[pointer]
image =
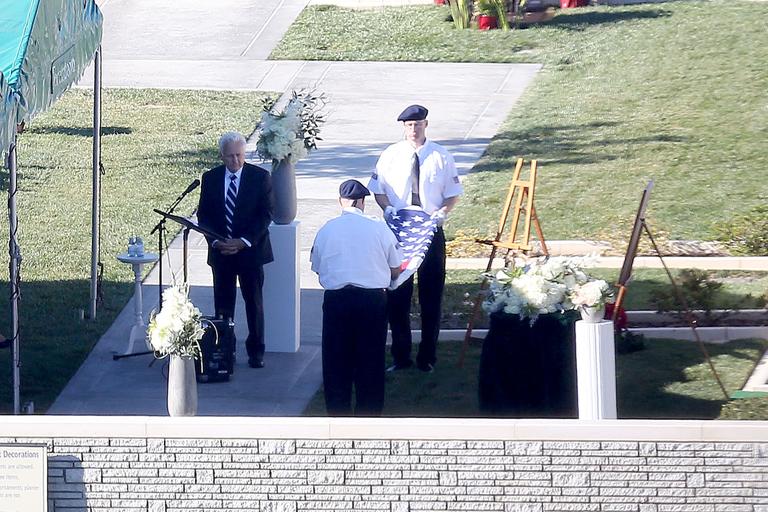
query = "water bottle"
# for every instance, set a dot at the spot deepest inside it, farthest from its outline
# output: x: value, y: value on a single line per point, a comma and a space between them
x: 132, y: 246
x: 139, y: 246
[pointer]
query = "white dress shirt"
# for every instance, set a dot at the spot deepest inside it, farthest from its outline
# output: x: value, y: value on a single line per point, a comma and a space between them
x: 354, y: 249
x: 227, y: 179
x: 438, y: 177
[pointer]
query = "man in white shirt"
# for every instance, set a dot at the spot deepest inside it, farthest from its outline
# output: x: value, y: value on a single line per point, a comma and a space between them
x: 356, y: 257
x: 419, y: 172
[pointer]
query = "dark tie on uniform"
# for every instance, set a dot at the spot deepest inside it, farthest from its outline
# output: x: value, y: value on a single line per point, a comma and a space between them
x: 229, y: 202
x: 415, y: 199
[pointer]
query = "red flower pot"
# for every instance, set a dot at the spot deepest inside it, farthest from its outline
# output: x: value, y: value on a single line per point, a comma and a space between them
x: 485, y: 22
x: 566, y: 4
x: 439, y: 2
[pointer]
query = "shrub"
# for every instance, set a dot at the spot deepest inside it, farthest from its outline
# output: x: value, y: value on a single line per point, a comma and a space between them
x: 746, y: 234
x: 700, y: 292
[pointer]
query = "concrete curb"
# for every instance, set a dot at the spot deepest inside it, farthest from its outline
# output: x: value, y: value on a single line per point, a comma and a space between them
x: 752, y: 263
x: 715, y: 335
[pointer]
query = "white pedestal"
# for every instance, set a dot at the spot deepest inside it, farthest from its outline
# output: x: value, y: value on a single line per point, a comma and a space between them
x: 282, y: 287
x: 596, y: 370
x: 139, y: 328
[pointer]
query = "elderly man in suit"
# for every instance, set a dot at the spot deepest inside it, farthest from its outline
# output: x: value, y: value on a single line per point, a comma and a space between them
x: 236, y: 202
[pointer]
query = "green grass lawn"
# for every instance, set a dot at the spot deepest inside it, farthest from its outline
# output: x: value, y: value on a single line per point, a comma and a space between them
x: 674, y: 92
x: 742, y: 290
x: 155, y: 143
x: 669, y: 379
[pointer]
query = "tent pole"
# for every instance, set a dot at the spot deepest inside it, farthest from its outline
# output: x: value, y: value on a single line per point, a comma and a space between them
x: 95, y: 236
x: 14, y: 263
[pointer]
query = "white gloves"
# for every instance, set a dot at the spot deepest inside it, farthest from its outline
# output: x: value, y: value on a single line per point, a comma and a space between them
x: 439, y: 216
x: 389, y: 211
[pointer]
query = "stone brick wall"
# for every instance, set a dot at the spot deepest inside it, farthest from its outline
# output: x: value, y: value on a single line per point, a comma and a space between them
x: 441, y: 465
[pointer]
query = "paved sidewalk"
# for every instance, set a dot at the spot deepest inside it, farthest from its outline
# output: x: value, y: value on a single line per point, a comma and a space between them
x: 364, y: 100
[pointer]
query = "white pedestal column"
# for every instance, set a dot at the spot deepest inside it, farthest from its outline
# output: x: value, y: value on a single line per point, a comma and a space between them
x: 596, y: 370
x: 282, y: 290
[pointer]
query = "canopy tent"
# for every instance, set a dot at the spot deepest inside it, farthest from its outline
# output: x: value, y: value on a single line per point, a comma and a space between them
x: 45, y: 46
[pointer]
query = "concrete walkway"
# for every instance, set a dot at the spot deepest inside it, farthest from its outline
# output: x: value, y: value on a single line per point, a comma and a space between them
x: 364, y: 100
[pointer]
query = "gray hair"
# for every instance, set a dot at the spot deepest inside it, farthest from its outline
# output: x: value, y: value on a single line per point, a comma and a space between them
x: 229, y: 138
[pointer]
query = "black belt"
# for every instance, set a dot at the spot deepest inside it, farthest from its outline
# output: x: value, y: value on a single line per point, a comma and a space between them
x: 352, y: 287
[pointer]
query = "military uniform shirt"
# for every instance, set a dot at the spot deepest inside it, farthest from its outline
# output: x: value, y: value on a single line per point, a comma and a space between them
x: 354, y: 249
x: 438, y: 177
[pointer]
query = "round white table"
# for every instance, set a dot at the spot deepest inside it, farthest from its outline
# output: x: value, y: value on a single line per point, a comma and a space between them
x: 139, y: 329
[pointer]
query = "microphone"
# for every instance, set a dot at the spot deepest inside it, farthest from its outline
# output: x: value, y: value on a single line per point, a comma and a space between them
x: 192, y: 186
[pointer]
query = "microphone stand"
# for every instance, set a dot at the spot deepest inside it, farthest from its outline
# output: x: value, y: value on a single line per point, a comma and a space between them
x: 160, y: 228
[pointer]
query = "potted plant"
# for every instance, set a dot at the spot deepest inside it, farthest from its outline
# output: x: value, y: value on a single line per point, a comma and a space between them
x: 567, y: 4
x: 491, y: 14
x: 486, y: 15
x: 460, y: 13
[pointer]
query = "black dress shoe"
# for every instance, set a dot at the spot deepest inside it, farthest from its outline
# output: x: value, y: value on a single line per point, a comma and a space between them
x: 426, y: 367
x: 256, y: 363
x: 400, y: 366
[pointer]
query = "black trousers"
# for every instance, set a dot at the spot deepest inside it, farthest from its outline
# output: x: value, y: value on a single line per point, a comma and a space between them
x: 354, y: 346
x: 431, y: 275
x: 251, y: 278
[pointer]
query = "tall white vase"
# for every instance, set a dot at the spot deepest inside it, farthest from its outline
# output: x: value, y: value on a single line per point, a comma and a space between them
x: 182, y: 386
x: 284, y: 191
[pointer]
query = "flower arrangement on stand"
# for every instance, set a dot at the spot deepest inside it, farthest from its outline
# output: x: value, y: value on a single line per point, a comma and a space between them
x: 532, y: 287
x: 528, y: 360
x: 285, y: 136
x: 175, y: 332
x: 590, y: 298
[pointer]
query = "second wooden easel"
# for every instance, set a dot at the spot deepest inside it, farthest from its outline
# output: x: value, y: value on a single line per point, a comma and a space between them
x: 521, y: 192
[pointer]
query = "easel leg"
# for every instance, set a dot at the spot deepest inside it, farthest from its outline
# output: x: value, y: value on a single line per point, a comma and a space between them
x: 688, y: 313
x: 475, y: 310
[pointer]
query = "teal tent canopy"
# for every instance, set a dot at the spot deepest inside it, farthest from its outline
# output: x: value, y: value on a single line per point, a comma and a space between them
x: 45, y: 46
x: 7, y: 116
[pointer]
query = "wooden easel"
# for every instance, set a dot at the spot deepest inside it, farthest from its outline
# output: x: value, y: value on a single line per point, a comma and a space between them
x: 639, y: 226
x: 521, y: 191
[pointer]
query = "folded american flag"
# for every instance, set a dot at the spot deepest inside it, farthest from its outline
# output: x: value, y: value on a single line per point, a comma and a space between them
x: 414, y: 229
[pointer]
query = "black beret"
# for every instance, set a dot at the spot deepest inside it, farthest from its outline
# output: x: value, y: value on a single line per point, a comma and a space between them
x: 413, y: 113
x: 353, y: 189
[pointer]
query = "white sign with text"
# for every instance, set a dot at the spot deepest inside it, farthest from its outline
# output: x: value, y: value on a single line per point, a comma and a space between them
x: 23, y: 478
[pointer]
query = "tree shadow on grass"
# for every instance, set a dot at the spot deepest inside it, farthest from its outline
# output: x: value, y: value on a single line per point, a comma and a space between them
x: 202, y: 159
x: 579, y: 21
x: 80, y: 131
x: 566, y: 144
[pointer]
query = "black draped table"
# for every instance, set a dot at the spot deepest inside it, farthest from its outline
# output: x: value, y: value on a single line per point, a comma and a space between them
x: 529, y: 371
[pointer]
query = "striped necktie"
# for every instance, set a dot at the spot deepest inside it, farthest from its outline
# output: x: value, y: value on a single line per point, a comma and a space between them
x: 229, y: 202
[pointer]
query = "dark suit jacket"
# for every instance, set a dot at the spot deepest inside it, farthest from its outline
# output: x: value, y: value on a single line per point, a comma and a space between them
x: 252, y: 216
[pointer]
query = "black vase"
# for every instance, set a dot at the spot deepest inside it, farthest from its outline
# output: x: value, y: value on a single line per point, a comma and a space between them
x: 529, y: 371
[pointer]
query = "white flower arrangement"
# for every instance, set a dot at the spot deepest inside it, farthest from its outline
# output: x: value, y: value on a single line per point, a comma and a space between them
x: 592, y: 294
x: 534, y: 287
x: 177, y: 329
x: 292, y: 132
